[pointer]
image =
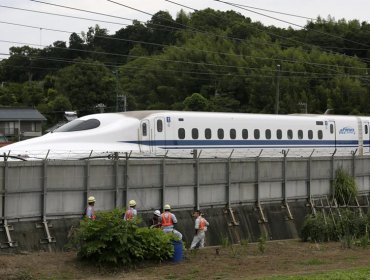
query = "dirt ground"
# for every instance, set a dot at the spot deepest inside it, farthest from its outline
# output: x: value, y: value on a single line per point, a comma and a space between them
x: 236, y: 262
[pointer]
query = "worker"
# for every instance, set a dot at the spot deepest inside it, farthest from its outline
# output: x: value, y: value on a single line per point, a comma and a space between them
x: 155, y: 221
x: 131, y: 213
x: 90, y: 211
x: 168, y: 220
x: 201, y: 225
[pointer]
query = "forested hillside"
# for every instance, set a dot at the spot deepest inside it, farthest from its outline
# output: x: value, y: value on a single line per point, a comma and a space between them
x: 207, y: 61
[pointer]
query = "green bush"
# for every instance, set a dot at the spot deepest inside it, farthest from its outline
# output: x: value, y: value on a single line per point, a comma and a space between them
x: 317, y: 229
x: 345, y: 187
x: 111, y: 240
x: 347, y: 224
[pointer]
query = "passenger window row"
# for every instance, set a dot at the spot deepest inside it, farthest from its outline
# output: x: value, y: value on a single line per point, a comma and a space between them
x: 256, y: 134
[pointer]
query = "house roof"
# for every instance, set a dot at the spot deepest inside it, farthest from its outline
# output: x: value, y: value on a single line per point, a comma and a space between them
x: 20, y: 114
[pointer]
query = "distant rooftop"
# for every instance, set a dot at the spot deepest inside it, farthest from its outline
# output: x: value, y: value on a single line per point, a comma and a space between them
x: 23, y: 114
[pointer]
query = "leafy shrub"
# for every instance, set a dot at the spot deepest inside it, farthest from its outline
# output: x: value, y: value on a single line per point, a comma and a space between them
x: 347, y: 225
x: 317, y: 229
x: 345, y: 187
x: 111, y: 240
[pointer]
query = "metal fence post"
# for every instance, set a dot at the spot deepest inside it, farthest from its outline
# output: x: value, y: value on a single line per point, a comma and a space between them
x: 196, y: 186
x: 163, y: 180
x: 228, y: 187
x: 283, y: 185
x: 87, y: 181
x: 116, y: 169
x: 332, y: 171
x: 125, y: 179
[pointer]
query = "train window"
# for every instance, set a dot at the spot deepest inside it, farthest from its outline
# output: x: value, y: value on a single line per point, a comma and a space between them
x: 194, y: 133
x: 290, y: 134
x: 256, y: 134
x: 331, y: 128
x: 319, y: 123
x: 159, y: 125
x: 143, y: 128
x: 310, y: 134
x: 319, y: 134
x: 366, y: 129
x: 208, y: 133
x: 78, y: 125
x: 268, y: 134
x: 279, y: 134
x: 220, y: 133
x: 245, y: 133
x: 232, y: 133
x: 300, y: 134
x: 181, y: 133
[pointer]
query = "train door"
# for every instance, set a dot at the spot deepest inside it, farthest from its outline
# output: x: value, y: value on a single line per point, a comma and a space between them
x: 159, y: 133
x: 145, y: 136
x: 332, y: 133
x: 366, y: 136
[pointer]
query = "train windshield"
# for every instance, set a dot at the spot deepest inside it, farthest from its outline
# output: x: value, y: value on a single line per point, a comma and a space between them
x: 78, y: 125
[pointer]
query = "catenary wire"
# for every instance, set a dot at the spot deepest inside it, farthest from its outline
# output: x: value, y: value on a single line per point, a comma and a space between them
x: 192, y: 49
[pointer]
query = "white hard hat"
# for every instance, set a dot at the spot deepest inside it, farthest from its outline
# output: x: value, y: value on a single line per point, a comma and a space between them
x: 167, y: 207
x: 91, y: 199
x: 157, y: 213
x: 132, y: 203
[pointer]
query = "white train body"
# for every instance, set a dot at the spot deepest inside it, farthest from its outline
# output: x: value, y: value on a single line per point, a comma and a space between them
x: 153, y: 132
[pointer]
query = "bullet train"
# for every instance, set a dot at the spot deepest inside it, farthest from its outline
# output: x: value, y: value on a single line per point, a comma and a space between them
x: 149, y: 132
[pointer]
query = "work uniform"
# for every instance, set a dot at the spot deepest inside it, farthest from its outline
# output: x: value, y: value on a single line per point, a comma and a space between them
x: 130, y: 214
x: 168, y: 220
x: 90, y: 212
x: 155, y: 222
x: 200, y: 229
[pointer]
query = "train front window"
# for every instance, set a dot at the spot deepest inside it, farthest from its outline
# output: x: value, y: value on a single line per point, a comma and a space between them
x: 78, y: 125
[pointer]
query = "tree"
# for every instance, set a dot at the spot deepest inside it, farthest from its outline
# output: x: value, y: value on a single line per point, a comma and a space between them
x: 196, y: 102
x: 86, y: 84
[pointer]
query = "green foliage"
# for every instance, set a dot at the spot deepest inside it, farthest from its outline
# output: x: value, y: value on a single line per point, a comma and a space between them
x: 225, y: 242
x: 345, y: 226
x: 162, y: 68
x: 262, y: 243
x: 196, y: 102
x: 345, y: 187
x: 111, y: 240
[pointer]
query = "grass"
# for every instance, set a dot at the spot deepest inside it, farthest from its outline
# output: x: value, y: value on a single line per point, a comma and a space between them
x: 355, y: 274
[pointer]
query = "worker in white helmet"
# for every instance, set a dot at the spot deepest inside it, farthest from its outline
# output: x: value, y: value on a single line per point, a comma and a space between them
x: 90, y: 211
x: 201, y: 225
x: 168, y: 220
x: 130, y: 213
x: 155, y: 220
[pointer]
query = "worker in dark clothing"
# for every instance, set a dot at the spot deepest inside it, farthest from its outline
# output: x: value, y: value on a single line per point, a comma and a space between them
x: 155, y: 221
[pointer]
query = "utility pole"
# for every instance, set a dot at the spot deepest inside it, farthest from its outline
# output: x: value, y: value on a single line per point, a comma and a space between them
x: 277, y: 88
x: 115, y: 72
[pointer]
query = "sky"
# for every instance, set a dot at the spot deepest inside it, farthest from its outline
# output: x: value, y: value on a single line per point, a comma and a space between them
x: 39, y: 36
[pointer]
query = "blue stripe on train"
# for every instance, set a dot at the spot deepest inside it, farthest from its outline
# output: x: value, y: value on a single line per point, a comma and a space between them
x: 183, y: 144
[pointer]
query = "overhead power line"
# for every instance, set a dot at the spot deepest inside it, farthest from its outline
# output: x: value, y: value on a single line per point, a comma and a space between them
x: 191, y: 49
x: 282, y: 37
x: 66, y: 16
x: 291, y: 23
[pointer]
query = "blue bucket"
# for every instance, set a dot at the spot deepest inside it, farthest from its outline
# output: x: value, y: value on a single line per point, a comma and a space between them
x: 177, y: 254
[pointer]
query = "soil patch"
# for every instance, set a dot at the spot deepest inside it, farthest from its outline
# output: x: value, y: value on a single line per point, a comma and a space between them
x: 234, y: 262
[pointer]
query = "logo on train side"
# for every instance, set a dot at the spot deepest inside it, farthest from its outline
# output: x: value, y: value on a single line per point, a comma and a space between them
x: 347, y: 130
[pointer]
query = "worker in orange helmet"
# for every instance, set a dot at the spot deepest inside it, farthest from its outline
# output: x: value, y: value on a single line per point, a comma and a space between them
x: 90, y: 211
x: 200, y: 228
x: 168, y: 220
x: 131, y: 213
